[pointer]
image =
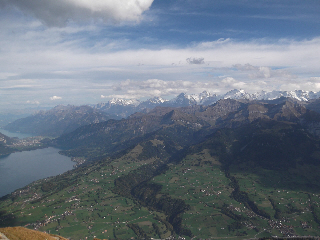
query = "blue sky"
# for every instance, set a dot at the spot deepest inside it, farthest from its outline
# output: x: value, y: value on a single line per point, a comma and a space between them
x: 90, y: 51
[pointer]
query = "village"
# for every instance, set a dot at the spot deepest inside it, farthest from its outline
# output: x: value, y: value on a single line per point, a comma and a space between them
x: 27, y: 142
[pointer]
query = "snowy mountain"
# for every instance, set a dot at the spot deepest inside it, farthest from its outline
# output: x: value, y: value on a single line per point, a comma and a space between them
x: 152, y: 103
x: 124, y: 107
x: 236, y: 94
x: 299, y: 95
x: 182, y: 100
x: 119, y: 107
x: 118, y: 102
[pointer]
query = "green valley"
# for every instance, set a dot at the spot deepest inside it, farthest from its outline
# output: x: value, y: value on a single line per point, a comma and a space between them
x: 243, y: 174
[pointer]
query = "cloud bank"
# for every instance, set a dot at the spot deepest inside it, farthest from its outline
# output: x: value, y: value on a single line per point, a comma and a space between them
x: 58, y: 12
x: 55, y: 98
x: 255, y: 72
x: 33, y: 102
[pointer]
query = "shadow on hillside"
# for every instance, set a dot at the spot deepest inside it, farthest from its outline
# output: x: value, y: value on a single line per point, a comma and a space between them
x: 7, y: 219
x: 295, y: 179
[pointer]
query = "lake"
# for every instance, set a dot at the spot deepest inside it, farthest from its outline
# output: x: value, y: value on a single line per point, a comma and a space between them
x: 21, y: 168
x: 15, y: 134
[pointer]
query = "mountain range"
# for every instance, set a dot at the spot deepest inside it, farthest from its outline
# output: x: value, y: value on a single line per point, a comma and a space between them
x: 124, y: 108
x: 185, y: 125
x: 65, y: 119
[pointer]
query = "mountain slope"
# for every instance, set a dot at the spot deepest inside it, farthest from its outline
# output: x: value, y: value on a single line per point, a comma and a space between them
x: 57, y: 121
x: 4, y: 142
x: 115, y: 135
x: 184, y: 126
x: 249, y: 181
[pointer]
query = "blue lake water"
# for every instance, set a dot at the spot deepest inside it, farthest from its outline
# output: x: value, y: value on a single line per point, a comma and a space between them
x: 21, y: 168
x: 15, y: 134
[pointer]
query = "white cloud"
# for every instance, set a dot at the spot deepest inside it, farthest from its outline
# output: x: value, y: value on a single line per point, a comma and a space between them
x: 311, y: 84
x: 229, y: 80
x: 245, y: 67
x: 157, y: 87
x: 58, y: 12
x: 33, y: 102
x: 255, y: 72
x: 55, y: 98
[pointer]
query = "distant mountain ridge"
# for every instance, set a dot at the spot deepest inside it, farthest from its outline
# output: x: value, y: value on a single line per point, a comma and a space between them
x: 64, y: 119
x: 126, y: 107
x: 186, y: 125
x: 57, y: 121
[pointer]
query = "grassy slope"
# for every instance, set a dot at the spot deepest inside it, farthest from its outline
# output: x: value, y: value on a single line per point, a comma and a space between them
x: 20, y: 233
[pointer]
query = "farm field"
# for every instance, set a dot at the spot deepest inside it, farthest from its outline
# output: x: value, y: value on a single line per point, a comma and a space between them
x: 201, y: 183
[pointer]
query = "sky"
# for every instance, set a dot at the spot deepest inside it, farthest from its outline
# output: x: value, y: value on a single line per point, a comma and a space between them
x: 89, y: 51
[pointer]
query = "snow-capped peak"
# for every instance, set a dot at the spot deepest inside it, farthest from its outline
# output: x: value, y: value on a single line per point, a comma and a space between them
x: 204, y: 95
x: 300, y: 95
x: 124, y: 102
x: 125, y: 107
x: 183, y: 100
x: 157, y: 100
x: 237, y: 94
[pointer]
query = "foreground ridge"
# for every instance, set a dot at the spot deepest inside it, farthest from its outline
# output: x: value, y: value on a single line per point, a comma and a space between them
x: 20, y: 233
